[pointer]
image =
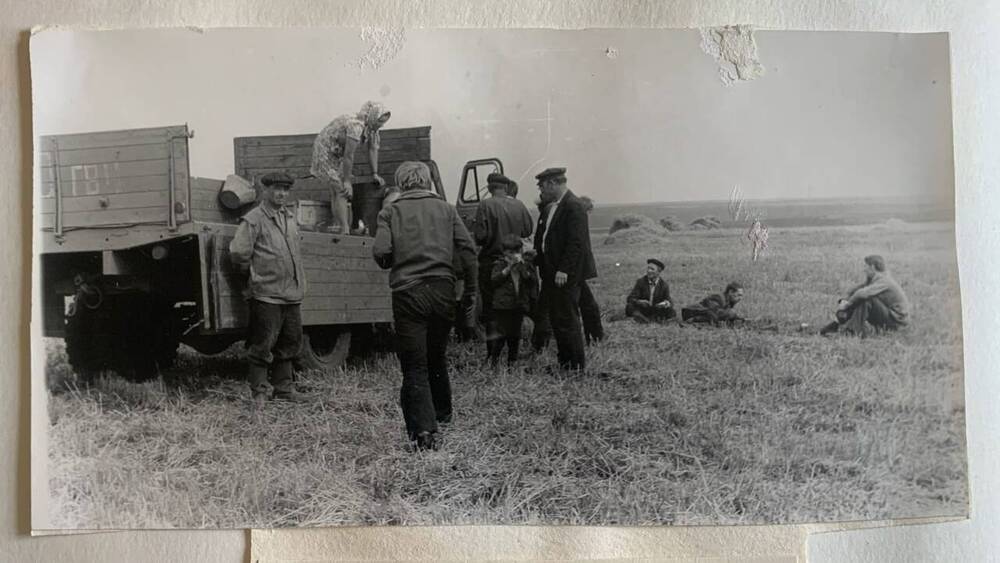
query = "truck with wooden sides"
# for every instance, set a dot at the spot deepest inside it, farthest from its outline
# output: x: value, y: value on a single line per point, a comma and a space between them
x: 134, y: 251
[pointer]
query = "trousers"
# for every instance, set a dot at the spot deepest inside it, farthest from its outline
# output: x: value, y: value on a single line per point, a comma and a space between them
x: 423, y: 317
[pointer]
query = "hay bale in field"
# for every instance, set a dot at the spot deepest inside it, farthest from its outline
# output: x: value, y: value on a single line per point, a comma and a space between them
x: 671, y: 223
x: 635, y: 229
x: 628, y: 222
x: 891, y: 224
x: 707, y: 222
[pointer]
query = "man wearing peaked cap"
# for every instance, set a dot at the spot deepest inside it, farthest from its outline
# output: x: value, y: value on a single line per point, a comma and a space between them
x: 496, y: 217
x: 266, y: 246
x: 277, y: 179
x: 497, y: 178
x: 650, y: 296
x: 562, y: 246
x: 551, y: 173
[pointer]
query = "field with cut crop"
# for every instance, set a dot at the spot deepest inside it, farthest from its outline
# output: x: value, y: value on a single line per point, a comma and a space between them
x: 675, y: 425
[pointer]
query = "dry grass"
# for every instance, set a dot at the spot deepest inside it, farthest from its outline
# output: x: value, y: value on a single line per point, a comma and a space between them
x: 686, y: 426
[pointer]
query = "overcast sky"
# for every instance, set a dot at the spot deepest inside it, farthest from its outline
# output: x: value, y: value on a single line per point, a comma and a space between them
x: 834, y: 115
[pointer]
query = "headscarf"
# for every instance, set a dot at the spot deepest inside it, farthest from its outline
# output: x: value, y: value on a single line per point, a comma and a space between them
x: 370, y: 114
x: 413, y: 175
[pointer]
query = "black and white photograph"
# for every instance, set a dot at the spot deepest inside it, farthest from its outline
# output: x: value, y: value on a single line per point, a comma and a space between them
x: 632, y: 277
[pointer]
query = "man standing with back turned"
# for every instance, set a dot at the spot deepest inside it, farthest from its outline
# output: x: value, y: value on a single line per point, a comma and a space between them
x: 562, y: 244
x: 497, y: 217
x: 418, y: 237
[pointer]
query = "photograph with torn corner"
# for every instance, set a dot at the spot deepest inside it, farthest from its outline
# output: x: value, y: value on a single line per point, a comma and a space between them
x: 645, y: 277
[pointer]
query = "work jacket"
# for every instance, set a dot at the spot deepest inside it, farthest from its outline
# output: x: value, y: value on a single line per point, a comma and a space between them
x: 269, y: 248
x: 883, y: 286
x: 418, y: 237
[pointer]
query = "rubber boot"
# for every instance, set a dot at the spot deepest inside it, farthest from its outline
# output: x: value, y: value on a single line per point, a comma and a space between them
x: 281, y: 379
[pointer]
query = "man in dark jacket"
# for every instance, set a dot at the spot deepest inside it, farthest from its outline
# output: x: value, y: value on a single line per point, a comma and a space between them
x: 715, y: 309
x: 266, y: 245
x: 562, y: 246
x: 649, y: 299
x: 496, y: 217
x: 418, y: 237
x: 879, y: 303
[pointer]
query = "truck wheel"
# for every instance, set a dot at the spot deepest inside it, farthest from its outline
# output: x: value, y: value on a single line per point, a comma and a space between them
x: 324, y: 348
x: 211, y: 345
x: 87, y: 343
x: 145, y: 335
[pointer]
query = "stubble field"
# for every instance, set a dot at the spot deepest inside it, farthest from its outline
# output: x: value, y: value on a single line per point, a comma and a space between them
x: 676, y: 425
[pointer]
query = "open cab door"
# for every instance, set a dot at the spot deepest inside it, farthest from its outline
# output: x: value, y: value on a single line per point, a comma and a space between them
x: 473, y: 188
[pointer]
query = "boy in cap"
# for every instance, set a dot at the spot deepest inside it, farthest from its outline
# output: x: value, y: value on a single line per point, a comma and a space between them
x: 562, y: 246
x: 649, y: 299
x: 515, y: 287
x: 418, y: 238
x: 266, y: 245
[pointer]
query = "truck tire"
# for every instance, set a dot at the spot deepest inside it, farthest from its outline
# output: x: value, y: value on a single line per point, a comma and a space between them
x: 145, y: 336
x: 132, y: 335
x: 87, y: 346
x: 324, y: 348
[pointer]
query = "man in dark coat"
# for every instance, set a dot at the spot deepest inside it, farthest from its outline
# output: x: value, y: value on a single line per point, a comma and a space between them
x: 649, y: 299
x: 562, y: 246
x: 715, y: 309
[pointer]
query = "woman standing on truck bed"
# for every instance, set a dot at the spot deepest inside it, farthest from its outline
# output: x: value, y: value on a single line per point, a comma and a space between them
x: 333, y: 154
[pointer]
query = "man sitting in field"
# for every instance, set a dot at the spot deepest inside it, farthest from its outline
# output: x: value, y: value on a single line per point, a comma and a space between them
x: 715, y: 309
x: 878, y: 304
x: 650, y: 297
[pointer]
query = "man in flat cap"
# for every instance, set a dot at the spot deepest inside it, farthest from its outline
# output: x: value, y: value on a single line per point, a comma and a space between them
x: 422, y: 239
x: 333, y: 154
x: 496, y: 217
x: 266, y: 245
x: 649, y: 300
x: 562, y: 246
x: 878, y: 304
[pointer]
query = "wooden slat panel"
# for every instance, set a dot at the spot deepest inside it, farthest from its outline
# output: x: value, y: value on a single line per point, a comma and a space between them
x: 346, y: 317
x: 109, y: 217
x: 131, y: 153
x: 149, y: 135
x: 157, y: 167
x: 323, y: 249
x: 211, y: 216
x: 344, y: 303
x: 334, y: 263
x: 409, y: 145
x: 308, y: 138
x: 87, y: 187
x: 234, y: 286
x: 304, y: 159
x: 334, y: 289
x: 115, y: 202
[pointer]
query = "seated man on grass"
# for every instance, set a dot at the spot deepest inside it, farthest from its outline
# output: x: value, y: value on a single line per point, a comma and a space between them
x: 649, y: 300
x: 715, y: 309
x: 878, y: 304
